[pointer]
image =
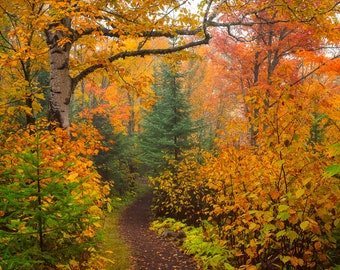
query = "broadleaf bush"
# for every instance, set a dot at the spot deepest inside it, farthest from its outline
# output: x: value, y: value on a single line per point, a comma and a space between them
x: 51, y: 198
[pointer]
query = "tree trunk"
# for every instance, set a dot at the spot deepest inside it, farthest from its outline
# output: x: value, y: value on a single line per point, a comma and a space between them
x: 30, y: 118
x: 253, y: 127
x: 132, y: 120
x: 60, y: 80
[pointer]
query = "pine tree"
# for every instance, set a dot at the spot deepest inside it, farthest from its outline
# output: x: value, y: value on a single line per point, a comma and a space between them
x: 116, y: 163
x: 168, y: 127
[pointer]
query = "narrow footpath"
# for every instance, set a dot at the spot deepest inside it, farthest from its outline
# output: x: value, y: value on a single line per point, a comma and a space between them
x: 150, y: 251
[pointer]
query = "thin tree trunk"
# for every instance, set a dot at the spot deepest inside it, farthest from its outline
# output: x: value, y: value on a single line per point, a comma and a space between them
x: 254, y: 129
x: 30, y: 118
x: 132, y: 120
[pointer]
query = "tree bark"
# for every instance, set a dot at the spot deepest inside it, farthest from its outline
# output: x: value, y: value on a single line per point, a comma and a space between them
x: 60, y: 80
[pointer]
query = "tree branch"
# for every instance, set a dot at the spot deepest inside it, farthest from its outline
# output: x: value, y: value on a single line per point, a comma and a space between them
x: 142, y: 53
x: 313, y: 71
x: 155, y: 34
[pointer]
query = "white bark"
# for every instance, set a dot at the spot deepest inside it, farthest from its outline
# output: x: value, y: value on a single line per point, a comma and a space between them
x: 60, y: 80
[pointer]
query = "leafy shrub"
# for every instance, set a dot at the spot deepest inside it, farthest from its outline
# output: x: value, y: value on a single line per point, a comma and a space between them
x: 51, y: 198
x: 179, y: 193
x: 208, y: 250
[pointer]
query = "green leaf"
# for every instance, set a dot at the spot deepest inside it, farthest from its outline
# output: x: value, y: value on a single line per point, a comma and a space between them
x: 319, y: 118
x: 281, y: 233
x: 332, y: 170
x: 295, y: 137
x: 292, y: 235
x: 280, y: 162
x: 268, y: 228
x: 283, y: 216
x: 335, y: 148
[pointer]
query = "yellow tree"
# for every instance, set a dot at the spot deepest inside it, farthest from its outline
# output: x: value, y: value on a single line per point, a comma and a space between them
x: 73, y: 23
x: 22, y: 56
x: 119, y: 92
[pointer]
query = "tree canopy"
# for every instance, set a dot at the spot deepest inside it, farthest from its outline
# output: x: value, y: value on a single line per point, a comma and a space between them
x: 43, y: 34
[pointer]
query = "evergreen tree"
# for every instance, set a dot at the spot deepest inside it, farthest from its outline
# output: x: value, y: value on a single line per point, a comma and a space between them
x: 116, y: 164
x: 168, y: 126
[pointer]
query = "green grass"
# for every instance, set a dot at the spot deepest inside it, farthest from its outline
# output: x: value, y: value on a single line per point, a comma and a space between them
x: 112, y: 245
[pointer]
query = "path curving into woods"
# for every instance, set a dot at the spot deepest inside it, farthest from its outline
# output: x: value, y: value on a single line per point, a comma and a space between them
x: 150, y: 251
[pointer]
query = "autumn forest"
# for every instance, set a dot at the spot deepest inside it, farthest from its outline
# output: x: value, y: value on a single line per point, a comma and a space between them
x: 230, y: 109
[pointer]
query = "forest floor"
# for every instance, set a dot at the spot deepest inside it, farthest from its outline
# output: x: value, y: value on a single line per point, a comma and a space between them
x: 149, y: 251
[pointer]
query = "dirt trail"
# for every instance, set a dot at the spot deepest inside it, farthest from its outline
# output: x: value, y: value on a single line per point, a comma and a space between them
x: 149, y: 251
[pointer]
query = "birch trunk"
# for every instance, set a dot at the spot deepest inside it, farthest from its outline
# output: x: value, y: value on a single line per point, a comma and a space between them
x: 60, y: 80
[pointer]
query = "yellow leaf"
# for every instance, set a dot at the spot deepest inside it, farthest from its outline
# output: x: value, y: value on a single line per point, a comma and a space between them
x: 250, y: 252
x: 109, y: 207
x: 97, y: 224
x: 73, y: 263
x: 304, y: 225
x: 91, y: 249
x: 72, y: 176
x: 285, y: 259
x: 299, y: 193
x: 252, y: 226
x: 252, y: 243
x: 88, y: 233
x: 39, y: 96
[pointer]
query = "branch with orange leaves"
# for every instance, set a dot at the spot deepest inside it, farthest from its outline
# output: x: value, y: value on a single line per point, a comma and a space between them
x: 314, y: 70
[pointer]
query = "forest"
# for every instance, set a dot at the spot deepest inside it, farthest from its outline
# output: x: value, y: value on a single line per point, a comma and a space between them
x: 229, y: 108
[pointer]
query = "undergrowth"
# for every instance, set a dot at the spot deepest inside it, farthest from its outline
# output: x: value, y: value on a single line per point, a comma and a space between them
x: 207, y: 249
